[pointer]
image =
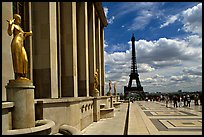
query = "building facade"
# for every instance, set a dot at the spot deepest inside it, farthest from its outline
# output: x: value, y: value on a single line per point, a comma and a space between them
x: 65, y: 50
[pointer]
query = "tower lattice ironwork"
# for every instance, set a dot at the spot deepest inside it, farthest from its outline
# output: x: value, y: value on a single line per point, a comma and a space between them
x: 134, y: 75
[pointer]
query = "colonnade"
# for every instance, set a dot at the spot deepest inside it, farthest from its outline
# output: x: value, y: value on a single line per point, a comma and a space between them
x: 66, y: 49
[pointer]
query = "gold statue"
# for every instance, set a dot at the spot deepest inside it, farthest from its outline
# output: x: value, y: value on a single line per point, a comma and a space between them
x: 115, y: 88
x: 110, y: 87
x: 19, y: 56
x: 96, y: 80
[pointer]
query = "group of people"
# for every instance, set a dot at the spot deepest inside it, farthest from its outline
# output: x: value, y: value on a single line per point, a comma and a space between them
x: 177, y: 101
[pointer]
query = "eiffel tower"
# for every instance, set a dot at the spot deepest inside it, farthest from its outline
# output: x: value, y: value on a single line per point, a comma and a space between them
x: 134, y: 75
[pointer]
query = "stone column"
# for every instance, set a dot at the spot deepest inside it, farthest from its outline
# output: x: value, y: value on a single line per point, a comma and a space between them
x: 68, y: 49
x: 96, y: 109
x: 111, y: 101
x: 53, y: 49
x: 7, y: 66
x: 21, y: 92
x: 45, y: 49
x: 91, y: 45
x: 82, y: 49
x: 59, y: 62
x: 102, y: 63
x: 98, y: 52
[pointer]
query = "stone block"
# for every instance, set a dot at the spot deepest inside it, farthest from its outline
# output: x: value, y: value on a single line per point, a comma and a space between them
x: 106, y: 113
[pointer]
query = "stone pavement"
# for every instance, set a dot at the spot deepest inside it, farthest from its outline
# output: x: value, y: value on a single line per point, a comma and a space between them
x: 154, y: 118
x: 138, y: 123
x: 109, y: 126
x: 150, y: 118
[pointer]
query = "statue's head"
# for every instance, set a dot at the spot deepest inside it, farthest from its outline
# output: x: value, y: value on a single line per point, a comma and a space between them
x: 17, y: 18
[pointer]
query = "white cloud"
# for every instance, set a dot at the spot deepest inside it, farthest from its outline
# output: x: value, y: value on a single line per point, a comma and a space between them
x: 148, y: 80
x: 166, y: 63
x: 194, y: 41
x: 140, y: 22
x: 164, y: 50
x: 128, y: 7
x: 163, y: 64
x: 144, y: 68
x: 142, y: 13
x: 106, y: 11
x: 110, y: 21
x: 183, y: 78
x: 162, y: 57
x: 170, y: 20
x: 157, y: 76
x: 192, y: 19
x: 105, y: 44
x: 193, y: 71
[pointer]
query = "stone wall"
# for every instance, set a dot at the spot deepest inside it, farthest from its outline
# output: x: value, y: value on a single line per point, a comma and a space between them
x: 76, y: 112
x: 7, y: 116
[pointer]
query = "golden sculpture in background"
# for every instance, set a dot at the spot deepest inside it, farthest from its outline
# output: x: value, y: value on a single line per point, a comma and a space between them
x: 115, y: 88
x: 96, y: 80
x: 110, y: 87
x: 19, y: 56
x: 96, y: 83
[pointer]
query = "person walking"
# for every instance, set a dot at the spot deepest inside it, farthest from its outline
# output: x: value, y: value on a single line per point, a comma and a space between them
x: 184, y: 101
x: 175, y: 101
x: 167, y: 101
x: 188, y: 100
x: 180, y: 101
x: 196, y: 99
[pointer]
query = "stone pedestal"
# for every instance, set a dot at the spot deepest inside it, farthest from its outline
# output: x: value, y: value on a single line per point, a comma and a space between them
x: 109, y: 94
x: 96, y: 109
x: 21, y: 92
x: 95, y: 93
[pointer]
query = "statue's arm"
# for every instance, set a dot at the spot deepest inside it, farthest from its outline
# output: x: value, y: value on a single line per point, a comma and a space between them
x: 26, y: 34
x: 10, y: 27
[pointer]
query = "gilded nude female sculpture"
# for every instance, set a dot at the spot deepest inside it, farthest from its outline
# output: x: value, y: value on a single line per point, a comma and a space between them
x: 115, y: 88
x: 96, y: 80
x: 19, y: 56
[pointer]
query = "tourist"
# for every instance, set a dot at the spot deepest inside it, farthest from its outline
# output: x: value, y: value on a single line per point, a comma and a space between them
x: 184, y: 101
x: 167, y: 101
x: 196, y: 99
x: 180, y: 101
x: 175, y: 101
x: 188, y: 100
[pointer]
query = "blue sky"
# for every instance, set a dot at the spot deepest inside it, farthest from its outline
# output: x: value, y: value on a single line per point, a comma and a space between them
x: 168, y: 44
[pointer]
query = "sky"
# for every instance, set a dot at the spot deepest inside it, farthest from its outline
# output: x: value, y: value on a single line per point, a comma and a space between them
x: 168, y: 42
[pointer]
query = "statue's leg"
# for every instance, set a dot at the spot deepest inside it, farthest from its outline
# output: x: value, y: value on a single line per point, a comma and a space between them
x: 23, y: 75
x: 17, y: 75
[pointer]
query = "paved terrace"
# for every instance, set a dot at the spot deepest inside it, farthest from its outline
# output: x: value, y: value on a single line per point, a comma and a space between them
x: 109, y: 126
x: 150, y: 118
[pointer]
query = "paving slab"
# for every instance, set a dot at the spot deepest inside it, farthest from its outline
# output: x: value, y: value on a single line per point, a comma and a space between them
x: 109, y: 126
x: 150, y: 118
x: 170, y: 120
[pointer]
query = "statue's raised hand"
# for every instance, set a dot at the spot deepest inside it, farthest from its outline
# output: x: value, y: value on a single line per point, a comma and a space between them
x: 10, y: 21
